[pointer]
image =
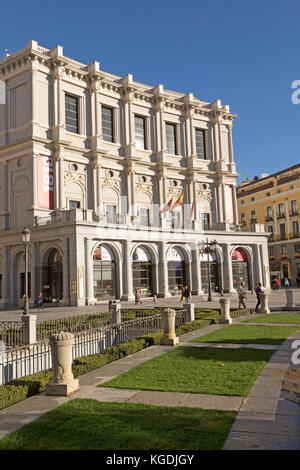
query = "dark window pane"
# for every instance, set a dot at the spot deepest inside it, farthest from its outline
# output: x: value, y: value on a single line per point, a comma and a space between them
x: 107, y: 124
x: 139, y: 132
x: 200, y: 144
x: 71, y: 110
x: 171, y: 139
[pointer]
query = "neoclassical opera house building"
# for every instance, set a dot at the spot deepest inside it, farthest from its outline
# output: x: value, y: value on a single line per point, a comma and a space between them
x: 120, y: 183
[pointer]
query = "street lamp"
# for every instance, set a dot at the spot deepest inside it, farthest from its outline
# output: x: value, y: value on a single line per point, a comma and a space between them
x: 209, y: 248
x: 26, y: 239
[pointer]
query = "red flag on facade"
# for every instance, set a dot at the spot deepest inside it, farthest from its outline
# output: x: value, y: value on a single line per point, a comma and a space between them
x: 168, y: 207
x: 192, y: 210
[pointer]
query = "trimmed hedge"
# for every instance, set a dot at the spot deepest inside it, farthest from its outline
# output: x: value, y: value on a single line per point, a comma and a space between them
x: 20, y: 389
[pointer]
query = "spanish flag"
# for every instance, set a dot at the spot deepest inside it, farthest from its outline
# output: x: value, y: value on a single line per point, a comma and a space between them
x: 167, y: 207
x: 179, y: 201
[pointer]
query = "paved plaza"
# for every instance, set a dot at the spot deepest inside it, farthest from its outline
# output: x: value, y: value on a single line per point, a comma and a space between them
x: 266, y: 419
x: 277, y: 300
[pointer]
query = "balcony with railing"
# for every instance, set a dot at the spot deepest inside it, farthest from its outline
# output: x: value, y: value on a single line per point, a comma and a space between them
x: 294, y: 212
x: 281, y: 215
x: 89, y: 217
x: 269, y: 218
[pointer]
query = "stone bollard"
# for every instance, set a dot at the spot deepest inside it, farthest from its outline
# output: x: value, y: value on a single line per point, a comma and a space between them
x: 264, y: 300
x: 155, y: 298
x: 116, y: 313
x: 225, y: 311
x: 189, y: 312
x: 63, y: 382
x: 289, y: 299
x: 29, y: 325
x: 168, y: 325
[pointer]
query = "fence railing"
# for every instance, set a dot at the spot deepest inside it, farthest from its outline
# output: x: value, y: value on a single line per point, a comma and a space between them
x: 11, y: 334
x: 72, y: 324
x: 242, y: 312
x: 27, y: 360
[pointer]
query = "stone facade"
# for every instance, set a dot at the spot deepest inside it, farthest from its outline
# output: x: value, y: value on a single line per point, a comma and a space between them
x: 88, y: 160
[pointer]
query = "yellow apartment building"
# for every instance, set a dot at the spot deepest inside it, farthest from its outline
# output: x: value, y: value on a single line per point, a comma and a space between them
x: 274, y: 200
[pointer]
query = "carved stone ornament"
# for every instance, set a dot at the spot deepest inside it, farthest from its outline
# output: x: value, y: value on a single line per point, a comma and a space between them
x: 204, y: 194
x: 112, y: 184
x: 75, y: 177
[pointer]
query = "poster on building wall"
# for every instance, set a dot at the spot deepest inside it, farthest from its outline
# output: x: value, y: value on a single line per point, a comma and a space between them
x: 81, y: 282
x: 45, y: 175
x: 103, y: 254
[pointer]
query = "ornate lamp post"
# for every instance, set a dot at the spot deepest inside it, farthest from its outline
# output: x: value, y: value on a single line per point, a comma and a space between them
x: 26, y: 239
x: 209, y: 248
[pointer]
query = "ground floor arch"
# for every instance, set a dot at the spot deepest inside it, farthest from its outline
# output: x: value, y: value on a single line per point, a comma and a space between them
x: 104, y: 273
x: 240, y: 268
x: 142, y: 271
x: 214, y: 272
x: 51, y: 274
x: 176, y: 270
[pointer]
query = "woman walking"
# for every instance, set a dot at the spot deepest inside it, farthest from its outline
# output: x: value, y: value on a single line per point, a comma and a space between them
x: 258, y: 291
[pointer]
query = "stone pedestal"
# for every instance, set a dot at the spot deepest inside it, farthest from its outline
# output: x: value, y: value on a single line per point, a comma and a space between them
x: 289, y: 299
x: 264, y: 300
x: 225, y: 311
x: 189, y: 312
x: 29, y: 325
x: 168, y: 325
x: 116, y: 313
x: 63, y: 382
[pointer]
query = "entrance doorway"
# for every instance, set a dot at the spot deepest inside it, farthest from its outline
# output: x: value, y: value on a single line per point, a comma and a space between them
x: 142, y: 271
x: 176, y: 271
x: 104, y: 269
x: 240, y: 268
x: 52, y: 277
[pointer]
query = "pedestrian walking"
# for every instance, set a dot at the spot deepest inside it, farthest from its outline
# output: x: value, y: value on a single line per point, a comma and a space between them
x: 137, y: 296
x: 187, y: 294
x: 182, y: 294
x: 286, y: 282
x: 276, y: 283
x: 242, y: 295
x: 40, y: 301
x: 258, y: 291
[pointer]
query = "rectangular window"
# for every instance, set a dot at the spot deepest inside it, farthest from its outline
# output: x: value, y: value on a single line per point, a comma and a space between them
x: 140, y: 141
x: 269, y: 213
x: 294, y: 208
x: 271, y: 250
x: 243, y: 218
x: 205, y: 220
x: 71, y: 109
x: 282, y: 231
x: 175, y: 219
x: 200, y: 143
x: 171, y: 139
x: 107, y: 124
x: 144, y: 217
x: 253, y: 217
x: 111, y: 214
x: 74, y: 205
x: 297, y: 248
x: 268, y: 194
x: 295, y: 229
x: 280, y: 210
x: 283, y: 249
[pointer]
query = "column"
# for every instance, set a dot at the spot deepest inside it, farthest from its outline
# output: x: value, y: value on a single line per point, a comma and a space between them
x: 128, y: 287
x: 133, y: 203
x: 6, y: 267
x: 62, y: 202
x: 234, y: 202
x: 224, y: 203
x: 196, y: 272
x: 227, y: 266
x: 66, y: 273
x: 90, y: 299
x: 220, y: 203
x: 163, y: 271
x: 34, y: 181
x: 257, y: 264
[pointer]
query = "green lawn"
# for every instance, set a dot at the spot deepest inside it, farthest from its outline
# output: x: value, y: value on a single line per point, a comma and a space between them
x: 246, y: 334
x: 197, y: 370
x: 83, y: 424
x: 284, y: 318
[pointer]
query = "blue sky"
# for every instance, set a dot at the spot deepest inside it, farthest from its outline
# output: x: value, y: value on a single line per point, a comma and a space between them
x: 245, y: 53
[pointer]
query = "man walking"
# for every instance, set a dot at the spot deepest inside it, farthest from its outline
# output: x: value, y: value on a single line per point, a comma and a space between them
x: 242, y: 295
x: 258, y: 291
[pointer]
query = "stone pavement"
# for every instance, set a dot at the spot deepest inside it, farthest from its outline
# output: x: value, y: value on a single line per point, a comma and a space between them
x: 265, y: 420
x: 277, y: 300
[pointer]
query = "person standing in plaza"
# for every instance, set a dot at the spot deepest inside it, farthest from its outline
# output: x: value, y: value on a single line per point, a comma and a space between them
x: 187, y: 294
x: 242, y: 295
x: 182, y: 294
x: 137, y: 296
x: 286, y: 282
x: 258, y: 291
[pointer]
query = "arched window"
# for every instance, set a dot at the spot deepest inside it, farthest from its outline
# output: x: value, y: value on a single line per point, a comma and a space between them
x: 176, y: 270
x: 104, y: 269
x: 240, y: 268
x: 142, y: 271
